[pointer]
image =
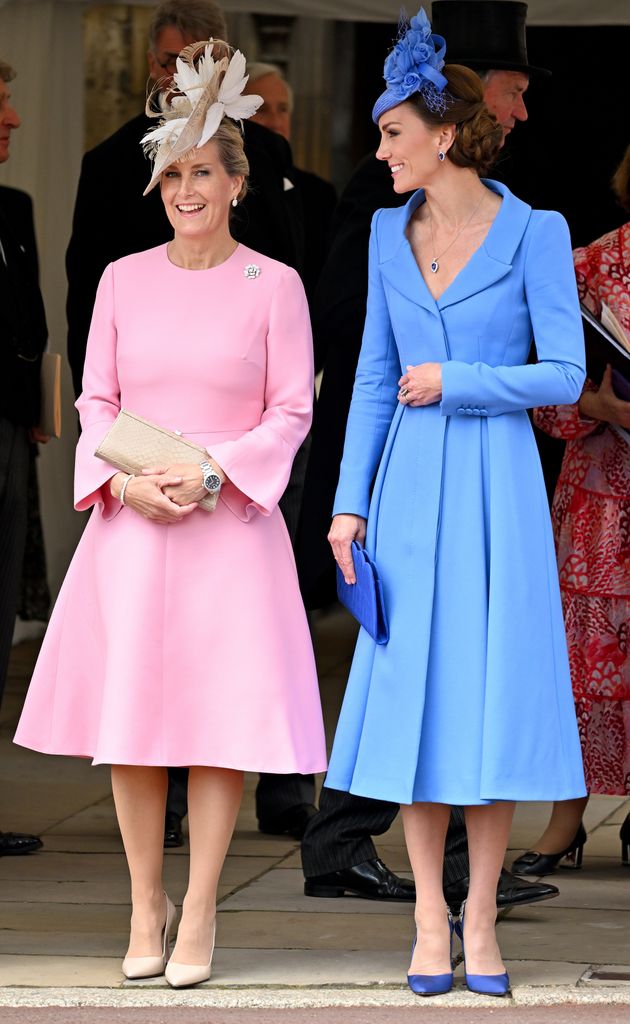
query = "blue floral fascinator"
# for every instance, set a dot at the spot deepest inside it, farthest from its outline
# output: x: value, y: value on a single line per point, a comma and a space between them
x: 414, y: 65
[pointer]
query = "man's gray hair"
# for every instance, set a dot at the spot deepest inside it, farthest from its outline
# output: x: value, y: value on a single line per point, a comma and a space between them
x: 201, y: 19
x: 259, y: 69
x: 7, y: 74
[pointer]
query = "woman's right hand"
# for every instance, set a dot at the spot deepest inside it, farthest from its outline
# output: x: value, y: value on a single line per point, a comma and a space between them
x: 144, y: 495
x: 344, y: 529
x: 604, y: 405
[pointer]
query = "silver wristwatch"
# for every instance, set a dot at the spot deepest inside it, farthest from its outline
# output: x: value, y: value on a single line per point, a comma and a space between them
x: 211, y: 479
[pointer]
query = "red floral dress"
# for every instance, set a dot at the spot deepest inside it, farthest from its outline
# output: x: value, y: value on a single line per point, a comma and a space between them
x: 591, y: 518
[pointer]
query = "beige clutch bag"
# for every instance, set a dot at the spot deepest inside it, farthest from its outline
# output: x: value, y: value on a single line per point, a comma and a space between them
x: 50, y: 422
x: 132, y: 444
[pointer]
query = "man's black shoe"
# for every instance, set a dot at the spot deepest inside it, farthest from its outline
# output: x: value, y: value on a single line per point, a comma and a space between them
x: 372, y: 880
x: 172, y: 831
x: 13, y: 844
x: 511, y: 892
x: 291, y: 822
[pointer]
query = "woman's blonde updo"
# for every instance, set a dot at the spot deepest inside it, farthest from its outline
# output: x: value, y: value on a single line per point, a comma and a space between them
x: 229, y: 141
x: 478, y: 136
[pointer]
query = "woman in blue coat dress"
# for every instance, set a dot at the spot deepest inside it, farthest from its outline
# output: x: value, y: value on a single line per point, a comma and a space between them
x: 469, y: 703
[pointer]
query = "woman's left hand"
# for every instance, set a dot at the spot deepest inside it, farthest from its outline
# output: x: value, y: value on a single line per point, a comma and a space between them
x: 421, y: 385
x: 191, y: 488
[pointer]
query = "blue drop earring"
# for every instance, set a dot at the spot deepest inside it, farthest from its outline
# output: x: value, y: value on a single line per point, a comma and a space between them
x: 441, y: 155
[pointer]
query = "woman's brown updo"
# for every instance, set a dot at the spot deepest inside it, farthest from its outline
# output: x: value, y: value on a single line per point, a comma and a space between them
x: 479, y: 136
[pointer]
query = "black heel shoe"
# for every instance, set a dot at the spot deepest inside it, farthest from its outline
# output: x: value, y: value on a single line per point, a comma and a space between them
x: 534, y: 863
x: 624, y: 835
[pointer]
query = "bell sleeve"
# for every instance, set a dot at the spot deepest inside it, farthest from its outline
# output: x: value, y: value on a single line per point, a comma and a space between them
x: 551, y: 294
x: 374, y: 396
x: 98, y: 405
x: 258, y: 464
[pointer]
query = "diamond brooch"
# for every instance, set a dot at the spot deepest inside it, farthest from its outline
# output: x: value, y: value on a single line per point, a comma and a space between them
x: 251, y: 271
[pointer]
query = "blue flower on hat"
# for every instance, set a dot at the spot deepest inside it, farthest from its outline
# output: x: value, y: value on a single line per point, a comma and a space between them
x: 421, y: 52
x: 411, y: 82
x: 413, y: 65
x: 420, y: 23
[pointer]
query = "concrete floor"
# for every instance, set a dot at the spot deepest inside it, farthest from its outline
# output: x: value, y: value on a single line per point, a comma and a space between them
x: 64, y: 911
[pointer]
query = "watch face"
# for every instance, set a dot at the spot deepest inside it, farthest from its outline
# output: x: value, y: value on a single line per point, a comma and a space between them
x: 212, y: 482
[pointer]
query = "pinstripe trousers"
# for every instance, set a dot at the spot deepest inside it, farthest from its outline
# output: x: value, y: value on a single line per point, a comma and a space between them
x: 340, y: 835
x: 14, y: 454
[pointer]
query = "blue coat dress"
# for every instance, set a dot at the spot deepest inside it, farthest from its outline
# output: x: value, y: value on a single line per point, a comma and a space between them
x: 470, y: 701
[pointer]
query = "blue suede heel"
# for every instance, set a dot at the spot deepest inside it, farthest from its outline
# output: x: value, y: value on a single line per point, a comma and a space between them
x: 432, y: 984
x: 482, y: 984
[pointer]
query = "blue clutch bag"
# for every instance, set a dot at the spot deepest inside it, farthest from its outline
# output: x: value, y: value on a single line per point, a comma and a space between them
x: 364, y: 599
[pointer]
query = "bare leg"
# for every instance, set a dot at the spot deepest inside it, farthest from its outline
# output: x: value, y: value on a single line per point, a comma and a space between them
x: 214, y: 797
x: 140, y: 799
x: 563, y: 824
x: 425, y: 828
x: 488, y: 830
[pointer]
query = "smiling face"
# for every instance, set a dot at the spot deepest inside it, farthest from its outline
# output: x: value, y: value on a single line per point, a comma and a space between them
x: 411, y: 147
x: 8, y: 120
x: 197, y: 193
x: 504, y: 93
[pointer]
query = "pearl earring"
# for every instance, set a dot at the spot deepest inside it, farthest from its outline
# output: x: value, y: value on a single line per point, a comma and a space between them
x: 441, y: 155
x: 235, y: 201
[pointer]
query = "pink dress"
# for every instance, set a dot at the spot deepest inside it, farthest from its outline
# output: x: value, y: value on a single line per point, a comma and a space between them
x: 188, y: 644
x: 591, y: 518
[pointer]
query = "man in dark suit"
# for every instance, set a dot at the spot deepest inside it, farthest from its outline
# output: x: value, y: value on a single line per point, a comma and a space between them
x: 338, y: 854
x: 318, y: 196
x: 23, y: 336
x: 113, y: 219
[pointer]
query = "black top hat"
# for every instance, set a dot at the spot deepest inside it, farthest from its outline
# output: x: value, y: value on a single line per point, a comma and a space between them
x: 484, y: 34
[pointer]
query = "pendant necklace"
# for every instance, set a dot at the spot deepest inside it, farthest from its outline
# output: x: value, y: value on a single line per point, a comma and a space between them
x: 435, y: 262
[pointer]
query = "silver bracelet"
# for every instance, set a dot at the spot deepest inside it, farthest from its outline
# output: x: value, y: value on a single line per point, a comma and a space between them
x: 121, y: 496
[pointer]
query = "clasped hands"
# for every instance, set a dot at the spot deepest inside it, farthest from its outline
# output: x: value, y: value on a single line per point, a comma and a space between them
x: 164, y: 494
x: 421, y: 385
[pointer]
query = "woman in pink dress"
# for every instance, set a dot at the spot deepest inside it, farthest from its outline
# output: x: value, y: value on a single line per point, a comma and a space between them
x: 179, y: 636
x: 591, y: 515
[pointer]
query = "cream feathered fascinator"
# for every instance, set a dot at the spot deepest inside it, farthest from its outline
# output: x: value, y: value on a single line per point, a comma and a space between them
x: 202, y: 93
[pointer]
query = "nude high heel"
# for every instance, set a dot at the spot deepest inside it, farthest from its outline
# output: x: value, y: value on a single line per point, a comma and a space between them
x: 185, y: 975
x: 134, y: 967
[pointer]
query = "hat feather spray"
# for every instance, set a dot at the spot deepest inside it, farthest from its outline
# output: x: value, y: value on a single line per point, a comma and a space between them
x: 202, y: 93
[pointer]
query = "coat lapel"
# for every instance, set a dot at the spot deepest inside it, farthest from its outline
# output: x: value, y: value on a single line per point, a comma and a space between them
x: 491, y: 262
x: 396, y: 259
x: 493, y: 259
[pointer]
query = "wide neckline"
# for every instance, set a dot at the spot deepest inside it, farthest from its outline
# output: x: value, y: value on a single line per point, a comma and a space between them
x: 481, y: 247
x: 201, y: 270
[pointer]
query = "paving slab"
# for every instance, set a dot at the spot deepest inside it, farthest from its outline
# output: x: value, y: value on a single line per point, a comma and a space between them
x: 283, y: 889
x: 308, y: 930
x: 294, y: 968
x: 540, y: 931
x: 601, y: 885
x: 103, y: 878
x: 619, y: 816
x: 60, y: 971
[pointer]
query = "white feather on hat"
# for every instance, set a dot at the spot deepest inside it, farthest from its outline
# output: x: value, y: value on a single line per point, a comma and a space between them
x: 203, y: 92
